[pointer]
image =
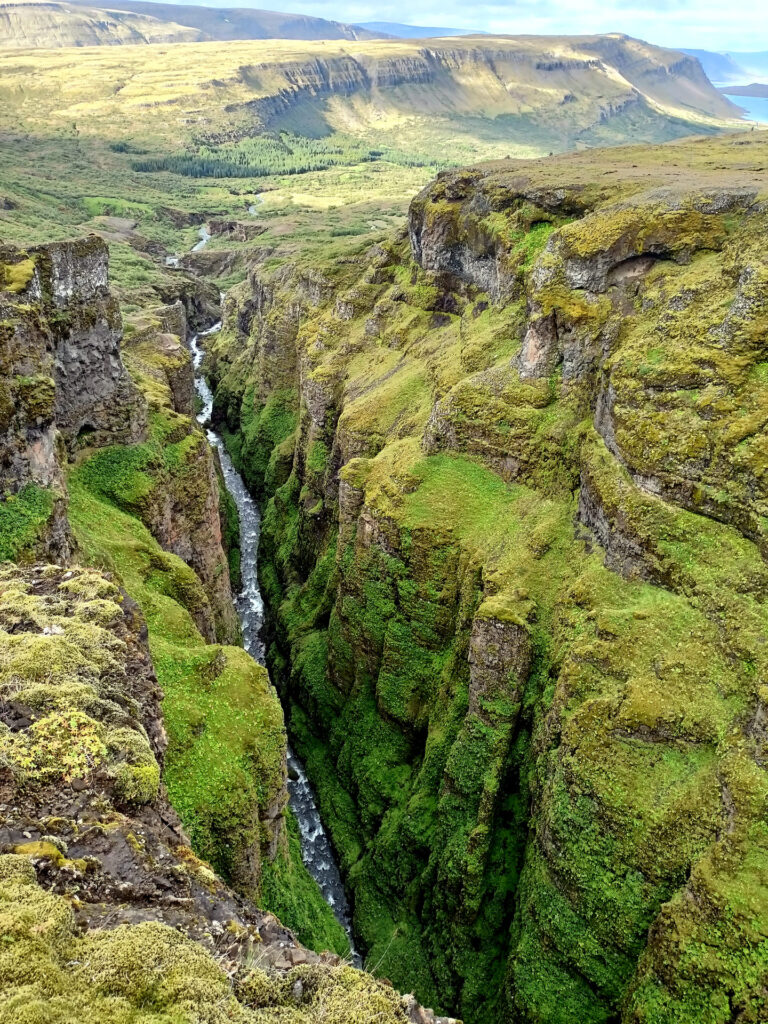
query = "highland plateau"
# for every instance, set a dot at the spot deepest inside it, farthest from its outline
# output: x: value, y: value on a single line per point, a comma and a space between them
x: 383, y: 593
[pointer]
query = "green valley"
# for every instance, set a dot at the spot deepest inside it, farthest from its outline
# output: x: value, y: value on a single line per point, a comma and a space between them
x: 384, y: 522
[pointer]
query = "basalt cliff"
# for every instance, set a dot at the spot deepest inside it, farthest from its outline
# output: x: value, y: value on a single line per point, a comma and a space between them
x: 514, y: 472
x: 136, y: 736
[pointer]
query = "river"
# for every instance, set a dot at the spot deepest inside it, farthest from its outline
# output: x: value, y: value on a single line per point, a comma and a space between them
x: 316, y: 850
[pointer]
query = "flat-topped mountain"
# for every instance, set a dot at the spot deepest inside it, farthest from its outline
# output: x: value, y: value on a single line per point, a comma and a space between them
x: 545, y: 92
x: 27, y: 24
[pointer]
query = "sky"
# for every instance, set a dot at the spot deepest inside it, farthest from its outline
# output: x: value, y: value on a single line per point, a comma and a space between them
x: 706, y: 24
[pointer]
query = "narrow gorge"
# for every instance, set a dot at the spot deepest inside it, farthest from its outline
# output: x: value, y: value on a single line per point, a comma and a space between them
x: 136, y: 734
x: 512, y: 469
x: 316, y: 850
x: 476, y: 520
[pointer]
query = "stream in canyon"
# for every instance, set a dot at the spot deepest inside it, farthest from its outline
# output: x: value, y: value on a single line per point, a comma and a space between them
x: 316, y: 850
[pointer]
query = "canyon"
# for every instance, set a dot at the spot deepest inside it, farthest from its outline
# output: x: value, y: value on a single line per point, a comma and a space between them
x: 104, y: 776
x: 510, y: 462
x: 512, y: 468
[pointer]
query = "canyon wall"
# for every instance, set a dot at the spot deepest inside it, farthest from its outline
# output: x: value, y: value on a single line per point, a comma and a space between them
x: 63, y: 380
x: 131, y: 743
x: 66, y: 391
x: 514, y: 474
x: 106, y: 908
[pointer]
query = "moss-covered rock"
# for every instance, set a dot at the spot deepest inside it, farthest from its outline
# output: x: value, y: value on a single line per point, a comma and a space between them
x: 104, y: 909
x: 513, y: 553
x: 149, y: 971
x: 62, y: 378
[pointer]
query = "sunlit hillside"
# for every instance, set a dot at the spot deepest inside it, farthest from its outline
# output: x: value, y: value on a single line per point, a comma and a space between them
x: 320, y: 142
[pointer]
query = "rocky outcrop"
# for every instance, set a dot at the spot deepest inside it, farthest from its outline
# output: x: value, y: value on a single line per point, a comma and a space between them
x: 210, y: 263
x: 94, y: 394
x: 83, y: 750
x: 514, y: 564
x: 95, y: 868
x: 237, y: 230
x: 63, y: 381
x: 200, y: 298
x: 183, y: 513
x: 500, y: 659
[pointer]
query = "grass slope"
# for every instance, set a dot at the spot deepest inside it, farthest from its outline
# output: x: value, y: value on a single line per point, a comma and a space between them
x: 584, y: 839
x: 224, y: 764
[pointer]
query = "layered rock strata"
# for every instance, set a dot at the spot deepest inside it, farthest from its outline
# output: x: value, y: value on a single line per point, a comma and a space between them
x: 514, y: 472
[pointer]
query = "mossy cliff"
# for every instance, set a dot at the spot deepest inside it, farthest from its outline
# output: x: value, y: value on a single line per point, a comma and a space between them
x: 156, y: 513
x: 106, y: 914
x: 514, y: 473
x: 108, y: 797
x: 61, y: 378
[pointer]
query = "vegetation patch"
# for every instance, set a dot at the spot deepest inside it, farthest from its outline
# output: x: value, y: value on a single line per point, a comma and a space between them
x: 24, y: 518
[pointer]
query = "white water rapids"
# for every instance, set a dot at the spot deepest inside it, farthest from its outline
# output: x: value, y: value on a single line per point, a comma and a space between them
x: 316, y: 850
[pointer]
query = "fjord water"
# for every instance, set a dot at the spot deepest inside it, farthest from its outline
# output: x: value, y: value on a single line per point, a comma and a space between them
x: 755, y: 107
x: 316, y: 850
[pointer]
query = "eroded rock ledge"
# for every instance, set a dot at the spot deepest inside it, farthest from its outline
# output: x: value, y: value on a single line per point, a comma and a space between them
x: 102, y: 899
x: 514, y: 482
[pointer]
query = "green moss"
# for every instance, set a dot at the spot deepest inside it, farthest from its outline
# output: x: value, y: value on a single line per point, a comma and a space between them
x: 15, y: 277
x: 317, y: 459
x: 149, y: 971
x: 36, y: 395
x: 264, y: 428
x: 224, y: 723
x: 24, y: 518
x: 230, y: 533
x: 518, y: 847
x: 61, y: 657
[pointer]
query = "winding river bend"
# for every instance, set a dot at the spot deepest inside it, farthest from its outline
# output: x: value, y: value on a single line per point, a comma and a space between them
x: 316, y: 850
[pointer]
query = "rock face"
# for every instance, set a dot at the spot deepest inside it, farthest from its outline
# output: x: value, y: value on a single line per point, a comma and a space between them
x: 181, y: 503
x: 94, y: 394
x: 200, y: 299
x: 513, y: 550
x: 66, y: 388
x: 589, y: 82
x: 238, y: 230
x: 100, y: 889
x: 63, y: 380
x: 83, y: 750
x: 185, y: 516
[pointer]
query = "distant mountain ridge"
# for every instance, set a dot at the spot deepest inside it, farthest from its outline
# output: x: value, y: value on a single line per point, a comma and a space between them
x: 49, y: 24
x: 401, y: 31
x: 733, y: 65
x: 754, y: 89
x: 545, y: 93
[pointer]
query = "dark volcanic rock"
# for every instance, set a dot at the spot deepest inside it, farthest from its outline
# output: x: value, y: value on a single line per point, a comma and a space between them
x: 62, y: 373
